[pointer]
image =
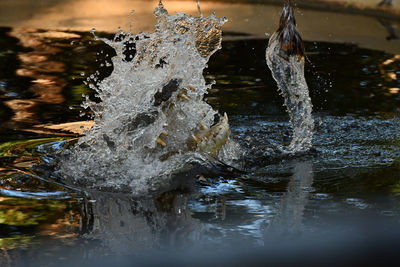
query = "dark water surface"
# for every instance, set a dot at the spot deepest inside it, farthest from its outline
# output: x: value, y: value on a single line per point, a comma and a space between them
x: 352, y: 177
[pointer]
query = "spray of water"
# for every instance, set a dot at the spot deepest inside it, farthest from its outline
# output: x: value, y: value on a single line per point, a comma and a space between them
x: 151, y: 119
x: 285, y: 58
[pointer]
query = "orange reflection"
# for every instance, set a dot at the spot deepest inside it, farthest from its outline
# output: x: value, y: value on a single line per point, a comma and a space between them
x: 46, y: 84
x: 72, y: 127
x: 392, y: 75
x: 391, y: 60
x: 389, y: 76
x: 22, y: 110
x: 61, y: 229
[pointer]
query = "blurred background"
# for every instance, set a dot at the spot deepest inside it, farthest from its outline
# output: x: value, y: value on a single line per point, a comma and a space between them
x: 366, y: 22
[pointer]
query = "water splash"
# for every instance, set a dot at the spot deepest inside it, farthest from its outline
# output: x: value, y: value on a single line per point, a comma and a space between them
x: 151, y: 120
x: 285, y: 58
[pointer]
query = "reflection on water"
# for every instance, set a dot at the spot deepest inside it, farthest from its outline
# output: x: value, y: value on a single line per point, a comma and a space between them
x: 34, y: 215
x: 120, y: 225
x: 126, y: 226
x: 289, y: 219
x: 390, y: 73
x: 46, y: 83
x: 40, y: 78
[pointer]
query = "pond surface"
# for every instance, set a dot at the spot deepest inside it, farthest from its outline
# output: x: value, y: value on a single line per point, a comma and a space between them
x: 351, y: 176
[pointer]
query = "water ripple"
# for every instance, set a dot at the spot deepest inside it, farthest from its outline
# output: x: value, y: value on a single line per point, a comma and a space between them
x: 35, y: 195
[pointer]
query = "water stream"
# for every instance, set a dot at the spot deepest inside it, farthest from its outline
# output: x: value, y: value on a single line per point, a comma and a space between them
x: 285, y: 58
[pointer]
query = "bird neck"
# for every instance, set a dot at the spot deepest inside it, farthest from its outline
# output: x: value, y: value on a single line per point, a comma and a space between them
x: 287, y: 16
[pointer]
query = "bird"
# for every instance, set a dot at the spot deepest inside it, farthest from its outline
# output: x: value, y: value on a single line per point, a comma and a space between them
x: 285, y: 57
x: 290, y: 40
